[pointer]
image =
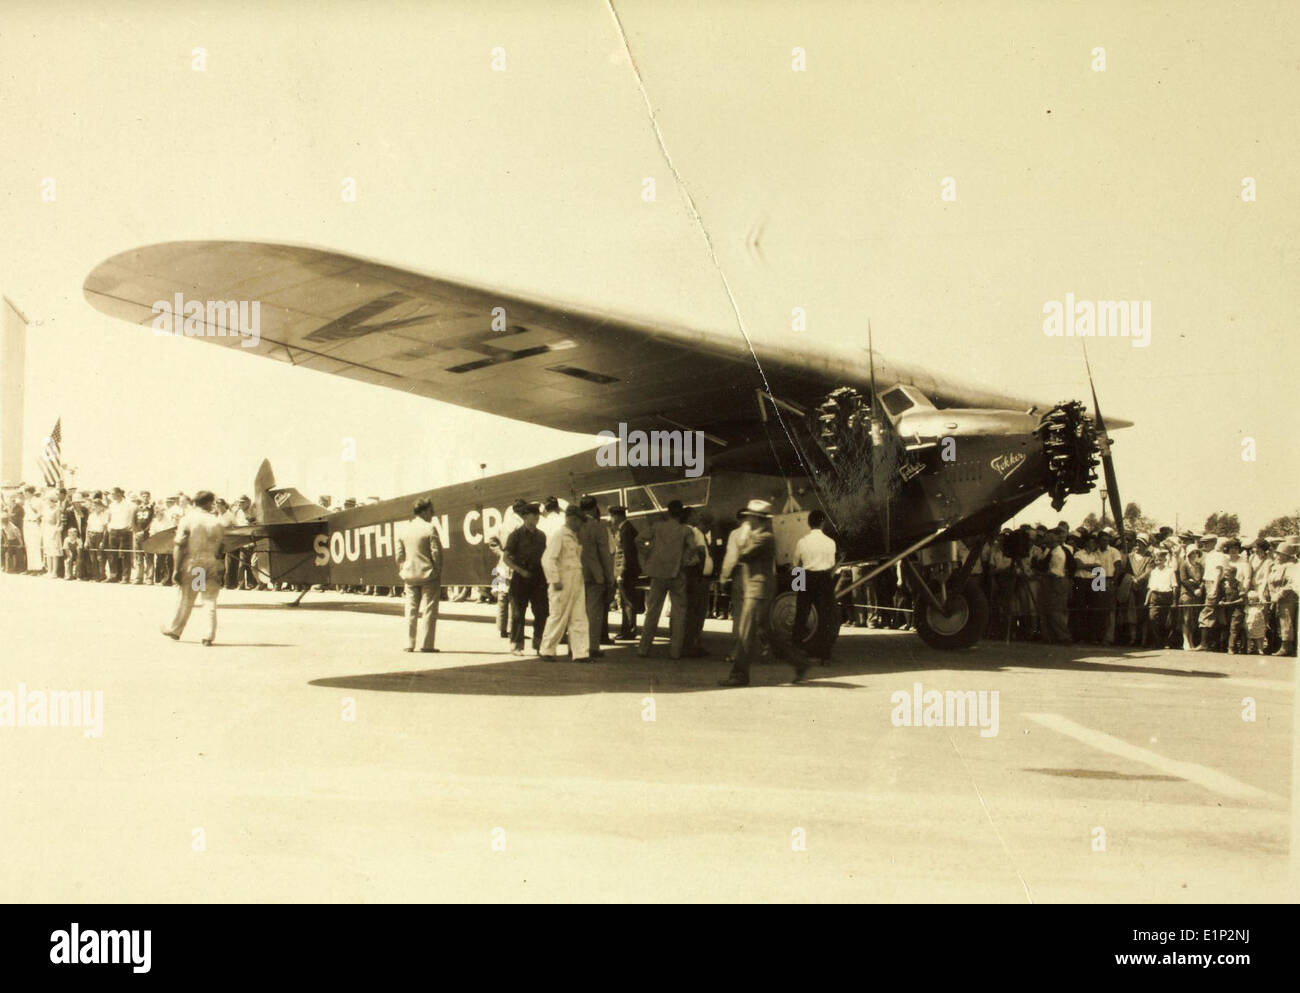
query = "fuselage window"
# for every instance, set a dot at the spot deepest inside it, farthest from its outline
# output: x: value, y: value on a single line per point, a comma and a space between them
x: 896, y: 401
x: 638, y: 500
x: 691, y: 492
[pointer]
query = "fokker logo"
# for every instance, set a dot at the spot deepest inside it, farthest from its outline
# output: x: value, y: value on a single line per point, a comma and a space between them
x: 282, y: 498
x: 909, y: 470
x: 1005, y: 465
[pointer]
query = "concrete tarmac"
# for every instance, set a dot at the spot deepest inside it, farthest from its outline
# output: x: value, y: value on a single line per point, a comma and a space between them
x: 305, y: 757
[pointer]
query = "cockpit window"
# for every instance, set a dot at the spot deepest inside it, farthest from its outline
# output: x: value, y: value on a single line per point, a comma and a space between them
x: 896, y: 401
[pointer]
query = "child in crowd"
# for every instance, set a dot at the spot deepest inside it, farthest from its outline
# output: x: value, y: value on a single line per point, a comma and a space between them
x: 1232, y: 608
x: 71, y: 554
x: 1256, y: 624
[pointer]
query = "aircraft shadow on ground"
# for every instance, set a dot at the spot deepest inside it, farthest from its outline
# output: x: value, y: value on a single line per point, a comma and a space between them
x: 858, y: 654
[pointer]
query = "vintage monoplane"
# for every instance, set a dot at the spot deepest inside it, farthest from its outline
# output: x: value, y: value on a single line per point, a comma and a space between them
x: 903, y: 471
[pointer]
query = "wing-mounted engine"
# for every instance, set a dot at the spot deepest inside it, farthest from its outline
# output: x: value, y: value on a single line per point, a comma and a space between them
x: 1070, y: 445
x: 844, y: 426
x: 859, y: 479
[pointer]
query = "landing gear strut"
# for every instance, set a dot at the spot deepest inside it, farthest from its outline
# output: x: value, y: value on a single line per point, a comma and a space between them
x: 958, y: 616
x: 955, y: 617
x: 959, y: 624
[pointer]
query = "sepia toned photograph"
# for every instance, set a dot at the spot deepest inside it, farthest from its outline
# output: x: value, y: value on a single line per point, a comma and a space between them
x: 622, y: 452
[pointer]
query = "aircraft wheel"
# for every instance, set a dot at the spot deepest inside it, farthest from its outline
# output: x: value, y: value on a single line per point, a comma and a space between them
x: 962, y: 626
x: 781, y: 622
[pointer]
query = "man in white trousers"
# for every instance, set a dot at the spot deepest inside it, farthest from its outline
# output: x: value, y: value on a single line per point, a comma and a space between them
x: 197, y: 568
x: 562, y: 563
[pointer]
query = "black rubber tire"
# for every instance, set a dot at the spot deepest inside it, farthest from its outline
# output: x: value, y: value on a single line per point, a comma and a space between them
x: 970, y: 604
x: 781, y: 622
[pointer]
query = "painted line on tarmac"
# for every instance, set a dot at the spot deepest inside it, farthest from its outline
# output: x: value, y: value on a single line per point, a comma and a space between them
x: 1211, y: 779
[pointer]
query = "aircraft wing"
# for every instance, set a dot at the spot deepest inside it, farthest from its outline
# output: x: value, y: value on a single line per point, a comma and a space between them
x: 543, y: 362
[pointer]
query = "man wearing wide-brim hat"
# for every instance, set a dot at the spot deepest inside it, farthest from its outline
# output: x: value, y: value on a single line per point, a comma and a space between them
x: 1105, y: 601
x: 1085, y: 559
x: 1261, y: 569
x: 1215, y: 559
x: 757, y: 560
x: 1191, y: 597
x: 1133, y: 588
x: 1283, y: 589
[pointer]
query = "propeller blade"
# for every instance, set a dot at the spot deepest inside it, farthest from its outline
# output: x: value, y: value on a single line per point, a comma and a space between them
x: 1107, y: 462
x: 877, y: 440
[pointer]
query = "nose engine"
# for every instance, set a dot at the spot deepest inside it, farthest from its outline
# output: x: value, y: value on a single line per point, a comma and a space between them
x: 1070, y: 449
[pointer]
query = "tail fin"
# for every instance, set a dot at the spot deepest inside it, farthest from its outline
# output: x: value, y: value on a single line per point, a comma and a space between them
x: 281, y: 504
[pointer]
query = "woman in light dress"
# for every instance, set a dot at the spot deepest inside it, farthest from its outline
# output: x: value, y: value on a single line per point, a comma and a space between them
x: 32, y: 537
x: 52, y: 533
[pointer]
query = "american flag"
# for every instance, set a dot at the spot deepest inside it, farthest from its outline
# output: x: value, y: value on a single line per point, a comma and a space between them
x: 52, y: 456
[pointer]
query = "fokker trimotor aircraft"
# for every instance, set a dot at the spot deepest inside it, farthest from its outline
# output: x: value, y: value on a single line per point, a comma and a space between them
x: 903, y: 471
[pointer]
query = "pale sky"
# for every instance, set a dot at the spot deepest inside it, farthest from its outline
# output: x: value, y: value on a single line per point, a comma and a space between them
x: 1117, y: 184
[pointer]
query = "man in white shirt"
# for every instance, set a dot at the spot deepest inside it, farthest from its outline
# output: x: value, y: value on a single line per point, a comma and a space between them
x: 1083, y: 602
x: 97, y: 537
x: 1162, y: 587
x: 552, y: 519
x: 1110, y: 560
x: 121, y: 512
x: 1213, y: 563
x: 1053, y: 590
x: 814, y: 556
